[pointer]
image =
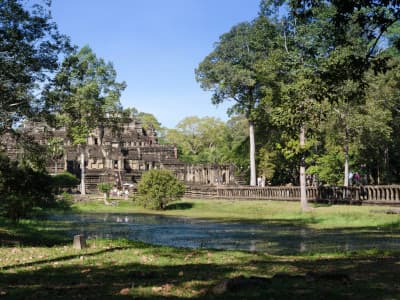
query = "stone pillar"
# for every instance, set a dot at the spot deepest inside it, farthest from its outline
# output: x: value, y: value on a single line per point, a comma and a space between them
x: 79, y: 242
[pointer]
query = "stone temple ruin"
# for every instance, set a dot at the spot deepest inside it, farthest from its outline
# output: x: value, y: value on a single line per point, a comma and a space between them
x: 122, y: 156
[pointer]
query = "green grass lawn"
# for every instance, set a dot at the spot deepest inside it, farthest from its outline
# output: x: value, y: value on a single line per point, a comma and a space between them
x: 36, y: 262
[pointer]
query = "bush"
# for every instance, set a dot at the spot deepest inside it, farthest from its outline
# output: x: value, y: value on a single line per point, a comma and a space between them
x: 65, y: 200
x: 156, y: 188
x: 22, y: 189
x: 64, y: 180
x: 105, y: 188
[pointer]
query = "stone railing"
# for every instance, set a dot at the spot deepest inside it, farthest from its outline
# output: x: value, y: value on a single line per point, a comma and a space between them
x: 338, y: 194
x: 383, y: 194
x: 248, y: 192
x: 387, y: 194
x: 369, y: 194
x: 270, y: 193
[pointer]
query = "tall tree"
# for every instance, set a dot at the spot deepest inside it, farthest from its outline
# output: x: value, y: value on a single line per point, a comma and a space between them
x: 230, y: 72
x: 297, y: 108
x: 329, y: 44
x: 86, y: 95
x: 29, y: 48
x: 200, y: 140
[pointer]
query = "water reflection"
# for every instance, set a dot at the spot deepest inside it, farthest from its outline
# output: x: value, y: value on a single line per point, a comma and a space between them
x: 275, y: 237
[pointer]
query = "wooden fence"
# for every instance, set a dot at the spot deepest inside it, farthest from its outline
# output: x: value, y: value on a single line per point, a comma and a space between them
x: 382, y: 194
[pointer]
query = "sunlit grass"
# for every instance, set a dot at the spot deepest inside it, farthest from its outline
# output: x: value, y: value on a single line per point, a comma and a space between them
x: 114, y: 269
x: 37, y: 260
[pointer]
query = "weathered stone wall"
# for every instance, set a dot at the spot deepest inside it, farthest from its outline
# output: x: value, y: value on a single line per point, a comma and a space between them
x: 124, y: 154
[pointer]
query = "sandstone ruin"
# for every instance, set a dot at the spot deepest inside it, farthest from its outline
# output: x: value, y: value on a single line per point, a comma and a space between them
x: 121, y: 156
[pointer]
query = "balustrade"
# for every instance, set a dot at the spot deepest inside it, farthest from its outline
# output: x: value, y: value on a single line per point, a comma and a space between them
x: 383, y: 194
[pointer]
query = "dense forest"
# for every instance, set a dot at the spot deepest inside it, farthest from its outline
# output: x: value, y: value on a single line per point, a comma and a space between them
x: 329, y: 70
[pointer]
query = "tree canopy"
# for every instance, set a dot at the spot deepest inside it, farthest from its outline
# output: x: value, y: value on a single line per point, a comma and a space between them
x: 84, y: 95
x: 30, y: 44
x: 231, y: 72
x: 328, y: 70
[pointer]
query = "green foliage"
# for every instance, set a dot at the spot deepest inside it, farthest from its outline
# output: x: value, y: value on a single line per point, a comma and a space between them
x: 64, y: 180
x: 149, y: 121
x: 266, y: 166
x: 328, y: 83
x: 66, y: 198
x: 22, y: 189
x: 29, y: 45
x: 318, y: 65
x: 200, y: 140
x: 55, y: 147
x: 229, y: 71
x: 329, y: 168
x: 105, y: 187
x: 232, y: 72
x: 237, y: 142
x: 64, y: 201
x: 85, y: 93
x: 55, y: 150
x: 30, y: 153
x: 157, y: 188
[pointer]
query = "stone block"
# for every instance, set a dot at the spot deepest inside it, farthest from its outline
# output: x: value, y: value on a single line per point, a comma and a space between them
x: 79, y: 242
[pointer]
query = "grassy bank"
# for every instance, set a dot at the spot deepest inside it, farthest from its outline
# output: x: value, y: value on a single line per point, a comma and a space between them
x: 38, y: 262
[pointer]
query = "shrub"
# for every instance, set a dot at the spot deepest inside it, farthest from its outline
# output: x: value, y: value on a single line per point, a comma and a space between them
x: 65, y: 199
x: 105, y: 188
x: 64, y: 180
x: 156, y: 188
x: 22, y: 189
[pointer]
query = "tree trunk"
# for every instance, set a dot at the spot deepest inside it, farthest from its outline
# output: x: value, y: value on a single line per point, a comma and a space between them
x: 83, y: 186
x: 253, y: 180
x: 346, y: 165
x: 303, y: 194
x: 65, y: 162
x: 346, y: 158
x: 378, y: 176
x: 106, y: 199
x: 55, y: 166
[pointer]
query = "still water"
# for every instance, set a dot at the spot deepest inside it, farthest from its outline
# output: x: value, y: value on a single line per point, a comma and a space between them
x: 277, y: 237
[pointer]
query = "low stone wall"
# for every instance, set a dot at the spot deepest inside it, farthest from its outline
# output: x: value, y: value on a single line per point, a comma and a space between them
x: 262, y: 193
x: 383, y: 194
x: 387, y: 194
x: 376, y: 194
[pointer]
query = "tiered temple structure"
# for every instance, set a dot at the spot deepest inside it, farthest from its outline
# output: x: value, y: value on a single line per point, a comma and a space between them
x: 121, y: 156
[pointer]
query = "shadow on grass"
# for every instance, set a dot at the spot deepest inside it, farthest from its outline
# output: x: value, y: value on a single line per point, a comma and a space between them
x: 179, y: 206
x: 394, y: 226
x: 181, y: 278
x: 28, y: 233
x: 193, y: 274
x: 62, y: 258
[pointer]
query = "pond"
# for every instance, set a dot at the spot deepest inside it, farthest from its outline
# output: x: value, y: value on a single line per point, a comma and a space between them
x: 278, y: 237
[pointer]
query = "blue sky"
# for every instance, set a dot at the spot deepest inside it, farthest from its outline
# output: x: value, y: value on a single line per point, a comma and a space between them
x: 155, y: 45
